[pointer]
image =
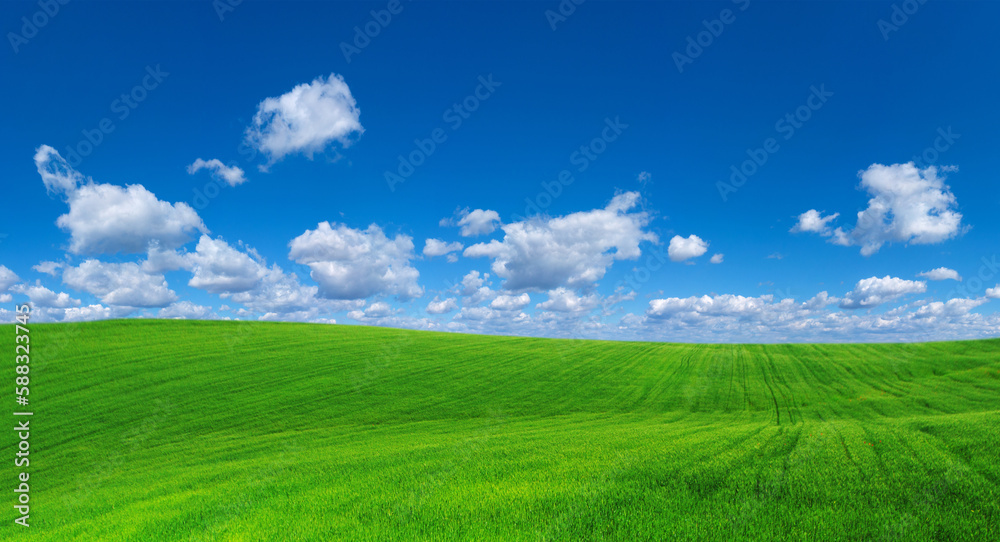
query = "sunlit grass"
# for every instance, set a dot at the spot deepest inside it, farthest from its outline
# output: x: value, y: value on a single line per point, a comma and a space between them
x: 173, y: 430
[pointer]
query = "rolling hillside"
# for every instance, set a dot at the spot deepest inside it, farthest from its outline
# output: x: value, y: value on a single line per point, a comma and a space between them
x: 184, y: 430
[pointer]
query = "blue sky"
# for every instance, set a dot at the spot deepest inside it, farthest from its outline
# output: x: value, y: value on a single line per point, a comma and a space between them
x: 633, y: 115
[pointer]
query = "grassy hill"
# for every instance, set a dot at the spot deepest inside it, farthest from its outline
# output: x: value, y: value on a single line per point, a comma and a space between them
x: 179, y: 430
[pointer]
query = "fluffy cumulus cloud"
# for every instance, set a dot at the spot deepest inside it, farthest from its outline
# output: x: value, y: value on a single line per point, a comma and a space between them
x: 7, y: 278
x: 473, y: 281
x: 474, y: 287
x: 570, y: 251
x: 107, y: 219
x: 218, y: 267
x: 281, y: 295
x: 565, y: 300
x: 994, y: 292
x: 90, y: 312
x: 717, y: 258
x: 941, y: 273
x: 57, y: 175
x: 907, y: 205
x: 375, y: 311
x: 442, y: 306
x: 735, y: 318
x: 874, y: 291
x: 232, y: 175
x: 159, y: 260
x: 436, y: 247
x: 120, y: 284
x: 185, y: 310
x: 348, y: 263
x: 952, y: 308
x: 721, y: 305
x: 813, y: 221
x: 305, y: 119
x: 241, y: 275
x: 506, y: 302
x: 685, y: 248
x: 41, y: 296
x: 478, y: 222
x: 821, y: 301
x: 49, y: 268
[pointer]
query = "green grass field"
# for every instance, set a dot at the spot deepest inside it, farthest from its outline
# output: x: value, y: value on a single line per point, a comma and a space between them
x: 181, y: 430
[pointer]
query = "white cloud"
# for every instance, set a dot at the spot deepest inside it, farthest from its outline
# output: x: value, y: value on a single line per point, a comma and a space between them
x: 90, y: 312
x: 473, y: 281
x: 874, y: 291
x: 242, y: 276
x: 233, y: 175
x: 565, y: 300
x: 122, y: 284
x: 377, y: 310
x: 681, y: 248
x: 219, y: 268
x: 443, y: 306
x: 993, y: 293
x: 733, y: 318
x: 6, y: 298
x: 821, y: 301
x: 474, y: 287
x: 952, y: 308
x: 306, y: 119
x: 49, y: 268
x: 57, y: 175
x: 355, y: 264
x: 569, y: 251
x: 41, y: 296
x: 813, y: 221
x: 507, y: 302
x: 7, y: 278
x: 159, y: 260
x: 488, y: 320
x: 105, y: 218
x: 717, y: 258
x: 941, y: 273
x: 281, y: 293
x: 907, y: 205
x: 478, y: 222
x: 185, y: 310
x: 721, y: 305
x: 436, y: 247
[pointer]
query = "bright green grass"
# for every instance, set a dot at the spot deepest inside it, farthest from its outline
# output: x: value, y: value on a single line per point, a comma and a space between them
x: 154, y: 430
